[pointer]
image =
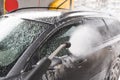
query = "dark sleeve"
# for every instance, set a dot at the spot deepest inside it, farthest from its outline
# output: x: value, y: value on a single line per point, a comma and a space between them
x: 63, y: 70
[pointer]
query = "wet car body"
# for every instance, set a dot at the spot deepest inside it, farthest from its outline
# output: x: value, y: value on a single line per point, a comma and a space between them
x: 97, y: 65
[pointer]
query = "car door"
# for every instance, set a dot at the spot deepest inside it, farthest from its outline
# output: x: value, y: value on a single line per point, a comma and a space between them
x: 91, y: 32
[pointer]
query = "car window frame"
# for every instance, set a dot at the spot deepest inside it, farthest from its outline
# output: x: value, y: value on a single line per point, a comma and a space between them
x: 58, y: 26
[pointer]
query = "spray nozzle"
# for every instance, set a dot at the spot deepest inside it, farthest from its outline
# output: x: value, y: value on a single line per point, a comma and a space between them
x: 68, y: 45
x: 64, y: 45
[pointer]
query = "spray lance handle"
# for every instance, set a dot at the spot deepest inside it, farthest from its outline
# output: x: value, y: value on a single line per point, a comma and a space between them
x: 65, y: 45
x: 44, y: 63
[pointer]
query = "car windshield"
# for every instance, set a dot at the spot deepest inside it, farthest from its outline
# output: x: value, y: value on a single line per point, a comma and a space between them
x: 15, y: 36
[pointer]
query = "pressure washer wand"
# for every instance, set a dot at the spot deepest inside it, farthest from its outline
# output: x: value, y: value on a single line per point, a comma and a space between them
x: 43, y: 64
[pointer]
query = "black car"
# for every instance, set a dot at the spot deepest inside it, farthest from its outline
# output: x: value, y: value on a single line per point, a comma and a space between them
x: 28, y: 35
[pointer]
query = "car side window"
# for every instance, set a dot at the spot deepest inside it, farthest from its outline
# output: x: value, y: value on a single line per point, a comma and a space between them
x: 61, y: 36
x: 58, y: 38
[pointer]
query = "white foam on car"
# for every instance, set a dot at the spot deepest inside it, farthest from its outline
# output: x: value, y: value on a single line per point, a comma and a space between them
x: 83, y: 39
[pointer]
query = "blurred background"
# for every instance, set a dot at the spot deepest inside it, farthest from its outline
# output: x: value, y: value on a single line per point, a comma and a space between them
x: 108, y: 6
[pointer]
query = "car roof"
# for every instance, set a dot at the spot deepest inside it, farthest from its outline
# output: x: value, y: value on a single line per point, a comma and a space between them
x: 89, y: 13
x: 33, y: 13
